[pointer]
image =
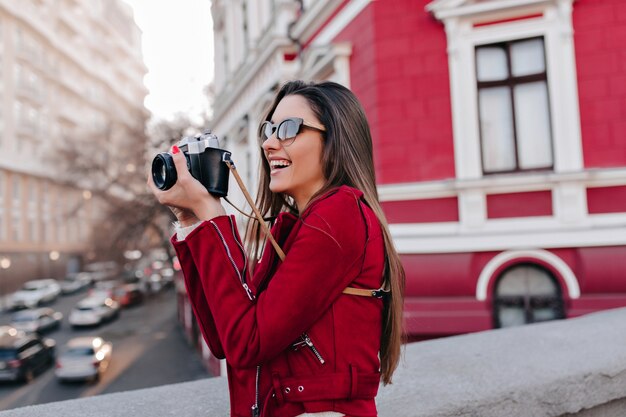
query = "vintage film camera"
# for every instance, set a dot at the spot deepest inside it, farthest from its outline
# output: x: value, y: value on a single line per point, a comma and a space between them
x: 205, y: 161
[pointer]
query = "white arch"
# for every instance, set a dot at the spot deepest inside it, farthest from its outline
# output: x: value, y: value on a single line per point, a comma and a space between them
x: 557, y: 263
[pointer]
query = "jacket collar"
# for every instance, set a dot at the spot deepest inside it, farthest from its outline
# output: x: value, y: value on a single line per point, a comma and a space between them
x: 324, y: 196
x: 281, y: 230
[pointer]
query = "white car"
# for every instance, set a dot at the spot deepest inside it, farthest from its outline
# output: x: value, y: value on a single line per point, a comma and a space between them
x: 75, y: 283
x: 34, y: 293
x: 38, y: 320
x: 93, y: 311
x: 83, y: 358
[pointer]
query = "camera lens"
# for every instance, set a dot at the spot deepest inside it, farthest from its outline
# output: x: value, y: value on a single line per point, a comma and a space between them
x: 164, y: 171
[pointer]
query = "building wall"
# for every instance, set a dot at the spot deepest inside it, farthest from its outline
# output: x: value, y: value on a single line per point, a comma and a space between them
x: 431, y: 210
x: 399, y: 72
x: 363, y: 70
x: 457, y: 227
x: 414, y: 94
x: 600, y: 37
x: 69, y: 71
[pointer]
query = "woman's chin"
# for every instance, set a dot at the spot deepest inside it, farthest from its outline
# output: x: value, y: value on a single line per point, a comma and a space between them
x: 276, y: 187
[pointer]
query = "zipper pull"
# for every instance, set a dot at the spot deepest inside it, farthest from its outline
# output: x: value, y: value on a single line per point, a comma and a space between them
x: 248, y: 291
x: 256, y: 411
x: 309, y: 343
x: 297, y: 345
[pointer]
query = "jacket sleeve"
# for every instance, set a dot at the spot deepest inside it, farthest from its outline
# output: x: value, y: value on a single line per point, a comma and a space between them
x: 197, y: 298
x: 324, y: 258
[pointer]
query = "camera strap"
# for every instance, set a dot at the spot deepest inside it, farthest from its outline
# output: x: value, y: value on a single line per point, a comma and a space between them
x: 363, y: 292
x: 229, y: 163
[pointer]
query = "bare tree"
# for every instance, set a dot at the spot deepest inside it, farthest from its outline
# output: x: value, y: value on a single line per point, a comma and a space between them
x: 115, y: 175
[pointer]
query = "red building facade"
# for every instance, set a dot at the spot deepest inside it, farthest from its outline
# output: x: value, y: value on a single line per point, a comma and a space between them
x: 499, y: 140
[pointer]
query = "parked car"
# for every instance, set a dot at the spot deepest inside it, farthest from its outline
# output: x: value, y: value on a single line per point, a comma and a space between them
x: 128, y: 295
x: 38, y: 320
x: 84, y: 358
x: 69, y: 286
x: 154, y: 283
x: 85, y: 276
x: 93, y: 311
x: 168, y: 276
x: 76, y: 282
x: 105, y: 289
x: 23, y: 355
x: 101, y: 271
x: 34, y: 293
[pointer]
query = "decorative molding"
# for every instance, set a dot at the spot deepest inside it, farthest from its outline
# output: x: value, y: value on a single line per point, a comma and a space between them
x: 509, y: 234
x: 446, y: 9
x: 550, y: 19
x: 339, y: 22
x: 513, y: 183
x: 257, y: 80
x: 313, y: 18
x: 320, y: 60
x: 270, y: 46
x: 557, y: 263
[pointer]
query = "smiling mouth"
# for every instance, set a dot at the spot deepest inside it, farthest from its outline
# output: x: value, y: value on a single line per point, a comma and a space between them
x: 279, y: 164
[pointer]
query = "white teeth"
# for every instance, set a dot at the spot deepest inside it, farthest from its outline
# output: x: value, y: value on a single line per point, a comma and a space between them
x: 279, y: 163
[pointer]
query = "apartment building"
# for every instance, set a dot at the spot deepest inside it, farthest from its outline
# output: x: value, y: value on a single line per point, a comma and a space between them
x: 68, y: 69
x: 499, y: 140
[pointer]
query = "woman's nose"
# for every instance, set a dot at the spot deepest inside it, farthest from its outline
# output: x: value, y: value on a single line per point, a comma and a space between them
x: 271, y: 143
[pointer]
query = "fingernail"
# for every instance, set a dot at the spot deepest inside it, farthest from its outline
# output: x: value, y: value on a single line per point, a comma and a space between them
x: 175, y: 149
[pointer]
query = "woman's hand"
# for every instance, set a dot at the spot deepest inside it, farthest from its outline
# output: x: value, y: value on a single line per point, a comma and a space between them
x: 188, y: 199
x: 185, y: 217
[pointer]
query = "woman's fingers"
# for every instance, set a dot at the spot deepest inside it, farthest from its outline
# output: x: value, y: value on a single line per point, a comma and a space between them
x: 187, y: 193
x: 180, y: 162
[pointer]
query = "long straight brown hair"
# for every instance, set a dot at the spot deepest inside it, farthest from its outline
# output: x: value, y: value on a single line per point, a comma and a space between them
x: 347, y: 159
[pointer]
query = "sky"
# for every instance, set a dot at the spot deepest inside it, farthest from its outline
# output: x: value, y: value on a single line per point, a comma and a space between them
x: 177, y: 46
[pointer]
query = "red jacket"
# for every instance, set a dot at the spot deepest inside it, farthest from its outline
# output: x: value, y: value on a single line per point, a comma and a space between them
x: 310, y: 347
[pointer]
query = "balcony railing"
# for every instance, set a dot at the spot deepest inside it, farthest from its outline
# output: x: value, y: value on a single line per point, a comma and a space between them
x: 569, y: 368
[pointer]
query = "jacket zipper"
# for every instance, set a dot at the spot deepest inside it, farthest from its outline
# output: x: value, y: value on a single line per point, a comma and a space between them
x: 232, y: 261
x: 255, y: 407
x: 271, y: 261
x: 306, y: 340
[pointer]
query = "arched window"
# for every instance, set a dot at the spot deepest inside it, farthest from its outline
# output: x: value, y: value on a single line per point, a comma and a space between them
x: 526, y: 293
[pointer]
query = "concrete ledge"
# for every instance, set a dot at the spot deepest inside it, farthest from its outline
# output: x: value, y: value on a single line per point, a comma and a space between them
x: 567, y: 368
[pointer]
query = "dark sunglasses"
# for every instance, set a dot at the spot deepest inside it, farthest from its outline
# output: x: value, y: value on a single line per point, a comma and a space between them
x: 287, y: 130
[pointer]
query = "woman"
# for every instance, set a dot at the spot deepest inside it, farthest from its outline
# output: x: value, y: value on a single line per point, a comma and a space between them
x: 296, y: 336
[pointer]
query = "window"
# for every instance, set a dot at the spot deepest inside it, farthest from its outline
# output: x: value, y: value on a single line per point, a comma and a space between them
x: 526, y: 294
x: 19, y: 38
x: 32, y: 212
x: 31, y: 348
x: 16, y: 189
x: 226, y: 59
x: 18, y: 111
x: 48, y: 228
x: 16, y: 210
x: 513, y: 106
x: 513, y: 85
x: 61, y: 226
x: 18, y: 72
x: 245, y: 30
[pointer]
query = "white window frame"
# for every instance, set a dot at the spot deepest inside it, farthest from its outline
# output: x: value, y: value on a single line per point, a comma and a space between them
x: 510, y: 87
x: 555, y: 26
x: 327, y: 63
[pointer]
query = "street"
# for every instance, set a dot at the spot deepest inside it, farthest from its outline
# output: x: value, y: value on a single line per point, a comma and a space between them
x: 149, y: 349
